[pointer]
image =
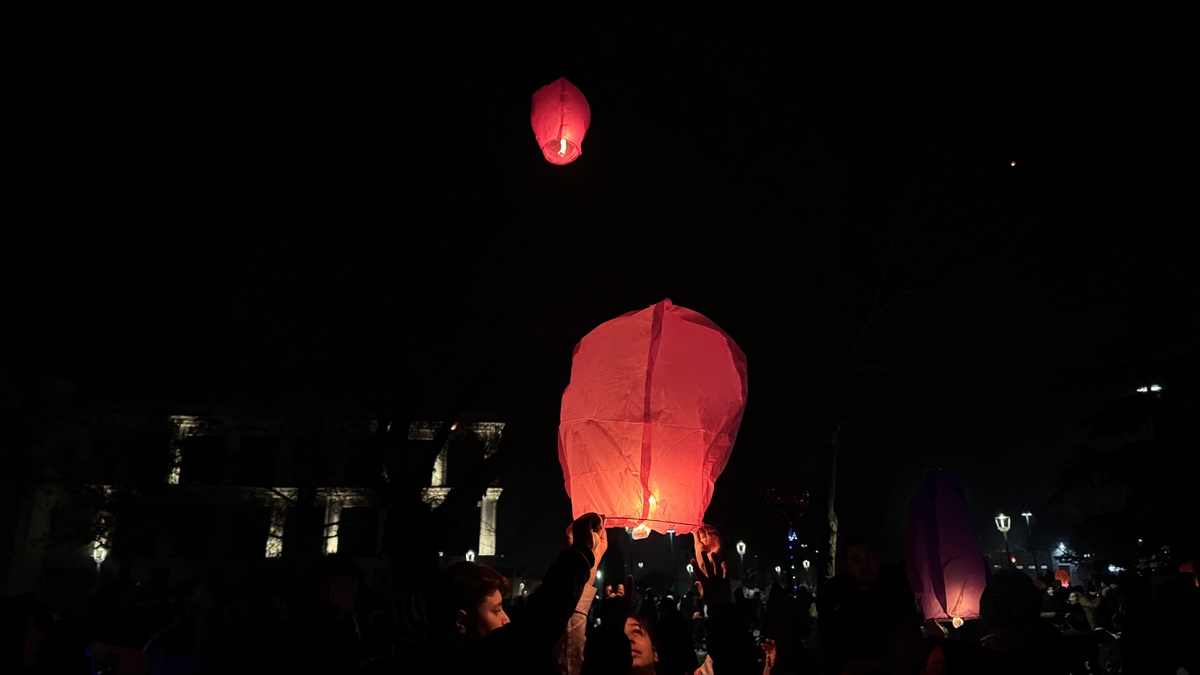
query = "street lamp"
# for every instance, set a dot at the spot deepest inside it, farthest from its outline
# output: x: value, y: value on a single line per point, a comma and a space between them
x: 99, y: 553
x: 641, y: 565
x: 674, y: 570
x: 1004, y: 523
x: 1029, y: 533
x: 741, y: 549
x: 470, y: 556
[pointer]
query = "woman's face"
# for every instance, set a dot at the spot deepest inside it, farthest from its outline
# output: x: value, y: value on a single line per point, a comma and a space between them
x: 644, y: 653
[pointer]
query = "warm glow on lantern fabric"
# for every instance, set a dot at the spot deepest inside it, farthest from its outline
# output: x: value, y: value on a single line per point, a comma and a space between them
x: 650, y: 417
x: 560, y: 117
x: 1063, y: 577
x: 945, y: 568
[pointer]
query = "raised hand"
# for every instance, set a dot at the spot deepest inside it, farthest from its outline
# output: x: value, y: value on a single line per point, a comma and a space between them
x: 712, y: 574
x: 588, y: 533
x: 707, y: 540
x: 617, y: 605
x: 770, y: 657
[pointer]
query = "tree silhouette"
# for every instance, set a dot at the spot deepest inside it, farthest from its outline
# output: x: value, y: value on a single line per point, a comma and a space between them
x: 1135, y: 500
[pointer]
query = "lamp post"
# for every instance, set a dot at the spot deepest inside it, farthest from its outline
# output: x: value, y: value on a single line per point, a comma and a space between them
x: 470, y: 556
x: 630, y: 532
x: 1004, y: 523
x: 674, y: 572
x: 99, y: 553
x: 741, y: 549
x: 1029, y: 534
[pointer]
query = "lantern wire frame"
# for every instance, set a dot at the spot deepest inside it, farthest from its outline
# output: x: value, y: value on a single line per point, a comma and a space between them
x: 640, y: 531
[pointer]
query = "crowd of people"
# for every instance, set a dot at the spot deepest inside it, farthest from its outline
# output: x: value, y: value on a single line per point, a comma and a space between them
x: 863, y: 621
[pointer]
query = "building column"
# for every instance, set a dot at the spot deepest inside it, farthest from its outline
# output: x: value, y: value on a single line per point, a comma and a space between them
x: 487, y: 521
x: 333, y: 515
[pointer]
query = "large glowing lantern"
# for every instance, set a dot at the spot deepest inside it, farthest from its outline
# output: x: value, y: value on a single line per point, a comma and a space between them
x: 1063, y: 577
x: 560, y: 121
x: 649, y: 418
x: 945, y: 568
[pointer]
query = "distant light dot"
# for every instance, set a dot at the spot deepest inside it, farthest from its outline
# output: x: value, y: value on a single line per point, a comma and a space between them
x: 1012, y: 163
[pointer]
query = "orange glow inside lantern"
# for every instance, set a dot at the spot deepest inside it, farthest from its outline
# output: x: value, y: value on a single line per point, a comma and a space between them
x: 560, y: 117
x: 649, y: 419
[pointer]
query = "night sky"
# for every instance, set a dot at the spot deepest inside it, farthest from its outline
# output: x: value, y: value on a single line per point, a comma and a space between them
x: 295, y: 209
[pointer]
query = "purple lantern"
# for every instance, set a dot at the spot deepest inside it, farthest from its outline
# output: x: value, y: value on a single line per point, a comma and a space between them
x: 941, y: 554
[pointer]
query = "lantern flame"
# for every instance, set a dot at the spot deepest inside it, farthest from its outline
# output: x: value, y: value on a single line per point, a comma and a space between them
x: 562, y: 147
x: 957, y: 622
x: 641, y: 531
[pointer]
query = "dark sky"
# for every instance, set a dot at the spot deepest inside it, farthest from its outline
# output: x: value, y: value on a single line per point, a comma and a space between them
x: 258, y: 208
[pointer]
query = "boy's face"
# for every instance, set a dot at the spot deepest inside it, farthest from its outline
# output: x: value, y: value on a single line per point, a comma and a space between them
x: 487, y: 617
x: 863, y: 563
x: 644, y: 653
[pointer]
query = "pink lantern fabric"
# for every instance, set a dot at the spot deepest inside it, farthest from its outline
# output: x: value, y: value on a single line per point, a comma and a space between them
x: 560, y: 117
x: 649, y: 418
x: 945, y: 568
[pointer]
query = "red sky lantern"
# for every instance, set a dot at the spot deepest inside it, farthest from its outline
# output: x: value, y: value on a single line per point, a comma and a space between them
x: 560, y: 121
x: 1063, y: 577
x: 945, y: 568
x: 650, y: 417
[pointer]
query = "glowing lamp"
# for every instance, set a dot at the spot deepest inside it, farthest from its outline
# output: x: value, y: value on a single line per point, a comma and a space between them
x: 649, y: 419
x: 99, y: 553
x: 560, y: 118
x: 941, y: 557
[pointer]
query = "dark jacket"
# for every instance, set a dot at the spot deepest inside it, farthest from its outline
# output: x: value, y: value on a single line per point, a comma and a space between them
x: 523, y: 645
x: 879, y: 626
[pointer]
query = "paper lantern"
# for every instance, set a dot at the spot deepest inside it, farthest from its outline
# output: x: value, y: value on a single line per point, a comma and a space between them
x: 1063, y: 577
x: 560, y: 121
x: 945, y: 568
x: 1188, y: 568
x: 649, y: 418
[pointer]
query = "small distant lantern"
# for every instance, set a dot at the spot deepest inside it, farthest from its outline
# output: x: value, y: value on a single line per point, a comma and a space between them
x: 560, y: 119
